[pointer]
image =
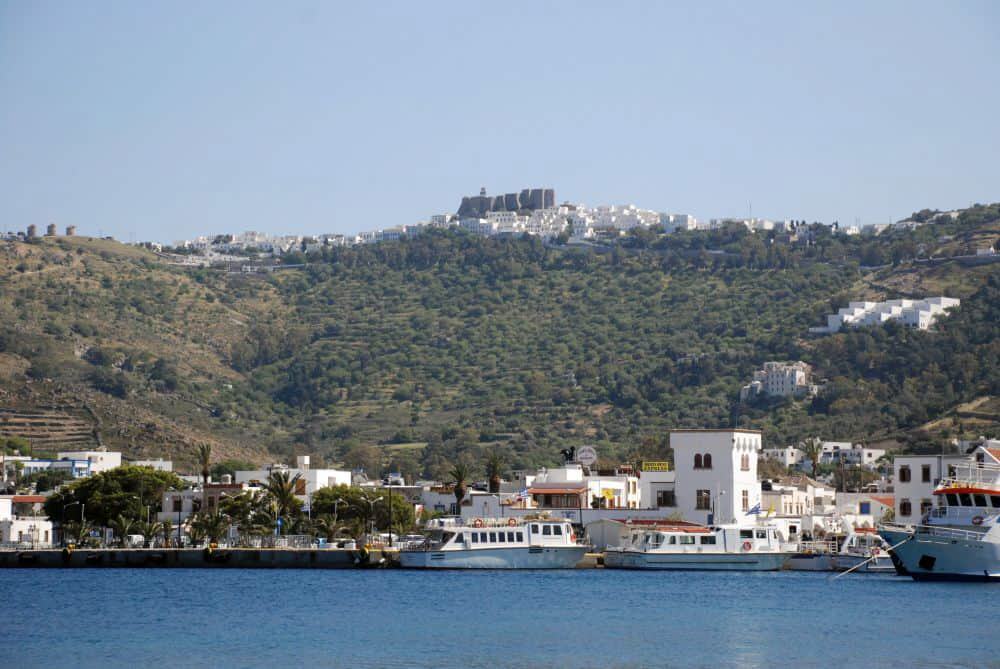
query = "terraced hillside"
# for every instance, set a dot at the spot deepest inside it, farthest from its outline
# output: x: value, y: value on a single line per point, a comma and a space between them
x: 463, y: 345
x: 50, y: 428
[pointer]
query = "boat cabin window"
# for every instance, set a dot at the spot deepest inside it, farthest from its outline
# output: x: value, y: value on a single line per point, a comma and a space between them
x: 952, y: 499
x: 707, y: 540
x: 687, y: 539
x: 746, y: 534
x: 546, y: 529
x: 557, y: 529
x: 979, y: 499
x: 520, y: 536
x: 966, y: 498
x: 501, y: 537
x: 510, y: 536
x: 482, y: 537
x: 459, y: 538
x: 673, y: 541
x: 995, y: 501
x: 656, y: 540
x: 475, y: 537
x: 493, y: 537
x: 762, y: 534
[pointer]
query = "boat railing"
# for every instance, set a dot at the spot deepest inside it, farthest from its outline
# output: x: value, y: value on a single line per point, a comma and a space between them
x: 974, y: 473
x: 819, y: 547
x: 939, y: 531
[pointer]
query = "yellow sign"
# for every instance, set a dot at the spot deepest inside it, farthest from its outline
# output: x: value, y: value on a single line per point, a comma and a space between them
x: 608, y: 493
x: 656, y: 466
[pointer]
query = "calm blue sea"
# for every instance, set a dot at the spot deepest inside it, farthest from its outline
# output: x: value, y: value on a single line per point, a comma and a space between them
x: 583, y: 618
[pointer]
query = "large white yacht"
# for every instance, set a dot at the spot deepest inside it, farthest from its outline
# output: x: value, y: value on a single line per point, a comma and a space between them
x: 960, y: 538
x: 699, y: 547
x: 494, y: 543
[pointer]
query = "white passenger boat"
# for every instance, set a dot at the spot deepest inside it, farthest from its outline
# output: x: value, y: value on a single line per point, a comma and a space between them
x: 494, y: 543
x: 858, y: 546
x: 958, y: 540
x: 697, y: 547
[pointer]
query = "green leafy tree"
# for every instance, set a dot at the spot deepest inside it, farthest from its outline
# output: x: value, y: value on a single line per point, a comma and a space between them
x: 122, y: 491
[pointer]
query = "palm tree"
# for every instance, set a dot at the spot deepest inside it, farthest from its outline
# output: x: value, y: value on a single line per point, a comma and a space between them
x: 812, y: 448
x: 494, y: 468
x: 167, y: 532
x: 327, y: 526
x: 205, y: 460
x: 460, y: 473
x: 212, y: 526
x: 149, y: 531
x: 122, y: 527
x: 280, y: 488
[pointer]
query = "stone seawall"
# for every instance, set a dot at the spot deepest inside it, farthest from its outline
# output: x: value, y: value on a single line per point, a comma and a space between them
x: 239, y: 558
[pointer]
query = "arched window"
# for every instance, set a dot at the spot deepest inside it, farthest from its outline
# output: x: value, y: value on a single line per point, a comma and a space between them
x: 745, y: 462
x: 708, y: 461
x: 905, y: 507
x: 697, y: 460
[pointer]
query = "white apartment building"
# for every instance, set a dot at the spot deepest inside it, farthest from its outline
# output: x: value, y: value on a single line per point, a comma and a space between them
x: 919, y: 314
x: 716, y: 475
x: 19, y: 523
x: 779, y: 379
x: 159, y: 464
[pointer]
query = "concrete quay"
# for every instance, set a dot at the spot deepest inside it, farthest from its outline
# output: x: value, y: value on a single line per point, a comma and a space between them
x: 195, y: 558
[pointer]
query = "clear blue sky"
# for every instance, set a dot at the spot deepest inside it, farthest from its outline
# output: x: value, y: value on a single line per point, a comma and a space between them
x: 156, y: 120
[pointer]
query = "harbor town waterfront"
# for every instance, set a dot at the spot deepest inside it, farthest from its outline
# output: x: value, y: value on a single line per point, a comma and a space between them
x: 575, y: 618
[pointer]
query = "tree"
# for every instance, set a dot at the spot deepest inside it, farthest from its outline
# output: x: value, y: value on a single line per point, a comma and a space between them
x: 460, y: 475
x: 205, y: 460
x: 210, y: 525
x: 280, y: 489
x: 121, y: 491
x: 122, y: 527
x: 812, y: 448
x: 494, y: 470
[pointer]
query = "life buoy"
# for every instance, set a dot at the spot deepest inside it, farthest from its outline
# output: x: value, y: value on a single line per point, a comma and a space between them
x: 478, y: 522
x: 572, y: 538
x: 512, y: 522
x: 977, y: 520
x: 747, y: 546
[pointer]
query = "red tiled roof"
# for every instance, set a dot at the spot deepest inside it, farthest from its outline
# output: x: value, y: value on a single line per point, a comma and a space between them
x: 888, y: 501
x: 28, y: 499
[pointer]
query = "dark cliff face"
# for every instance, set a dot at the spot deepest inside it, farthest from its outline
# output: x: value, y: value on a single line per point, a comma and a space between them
x: 527, y: 199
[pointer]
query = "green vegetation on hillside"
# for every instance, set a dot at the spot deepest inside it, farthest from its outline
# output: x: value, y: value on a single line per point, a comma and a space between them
x: 413, y: 355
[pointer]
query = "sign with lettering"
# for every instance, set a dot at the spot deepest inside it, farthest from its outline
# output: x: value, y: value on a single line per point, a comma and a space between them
x: 655, y: 466
x: 586, y: 455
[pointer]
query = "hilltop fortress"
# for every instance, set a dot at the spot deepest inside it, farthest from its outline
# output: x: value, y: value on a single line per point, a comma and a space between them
x: 528, y: 199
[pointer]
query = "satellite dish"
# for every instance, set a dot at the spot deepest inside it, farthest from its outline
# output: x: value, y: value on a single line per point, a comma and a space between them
x: 586, y: 455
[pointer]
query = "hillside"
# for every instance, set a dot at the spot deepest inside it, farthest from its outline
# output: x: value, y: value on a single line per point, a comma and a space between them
x: 448, y: 344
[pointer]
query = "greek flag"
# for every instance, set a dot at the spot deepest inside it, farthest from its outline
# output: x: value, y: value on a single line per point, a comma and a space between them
x: 755, y: 511
x: 523, y: 494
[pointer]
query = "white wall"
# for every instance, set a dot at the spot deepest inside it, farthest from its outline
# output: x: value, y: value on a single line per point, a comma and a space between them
x: 726, y: 481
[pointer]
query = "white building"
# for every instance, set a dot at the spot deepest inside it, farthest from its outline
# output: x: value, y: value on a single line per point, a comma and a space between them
x: 919, y: 314
x: 915, y: 478
x: 21, y: 521
x: 158, y: 464
x: 789, y: 456
x: 837, y: 452
x: 716, y: 475
x: 657, y: 486
x: 310, y: 479
x: 779, y: 379
x: 100, y: 460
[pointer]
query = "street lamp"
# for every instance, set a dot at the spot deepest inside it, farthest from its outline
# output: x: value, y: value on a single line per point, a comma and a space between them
x: 337, y: 502
x: 371, y: 515
x: 62, y: 521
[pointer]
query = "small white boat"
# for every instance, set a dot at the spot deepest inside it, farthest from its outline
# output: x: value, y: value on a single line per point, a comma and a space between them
x: 696, y: 547
x: 494, y: 543
x: 843, y: 552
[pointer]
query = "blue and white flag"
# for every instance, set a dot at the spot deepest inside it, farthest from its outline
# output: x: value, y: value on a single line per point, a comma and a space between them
x: 755, y: 511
